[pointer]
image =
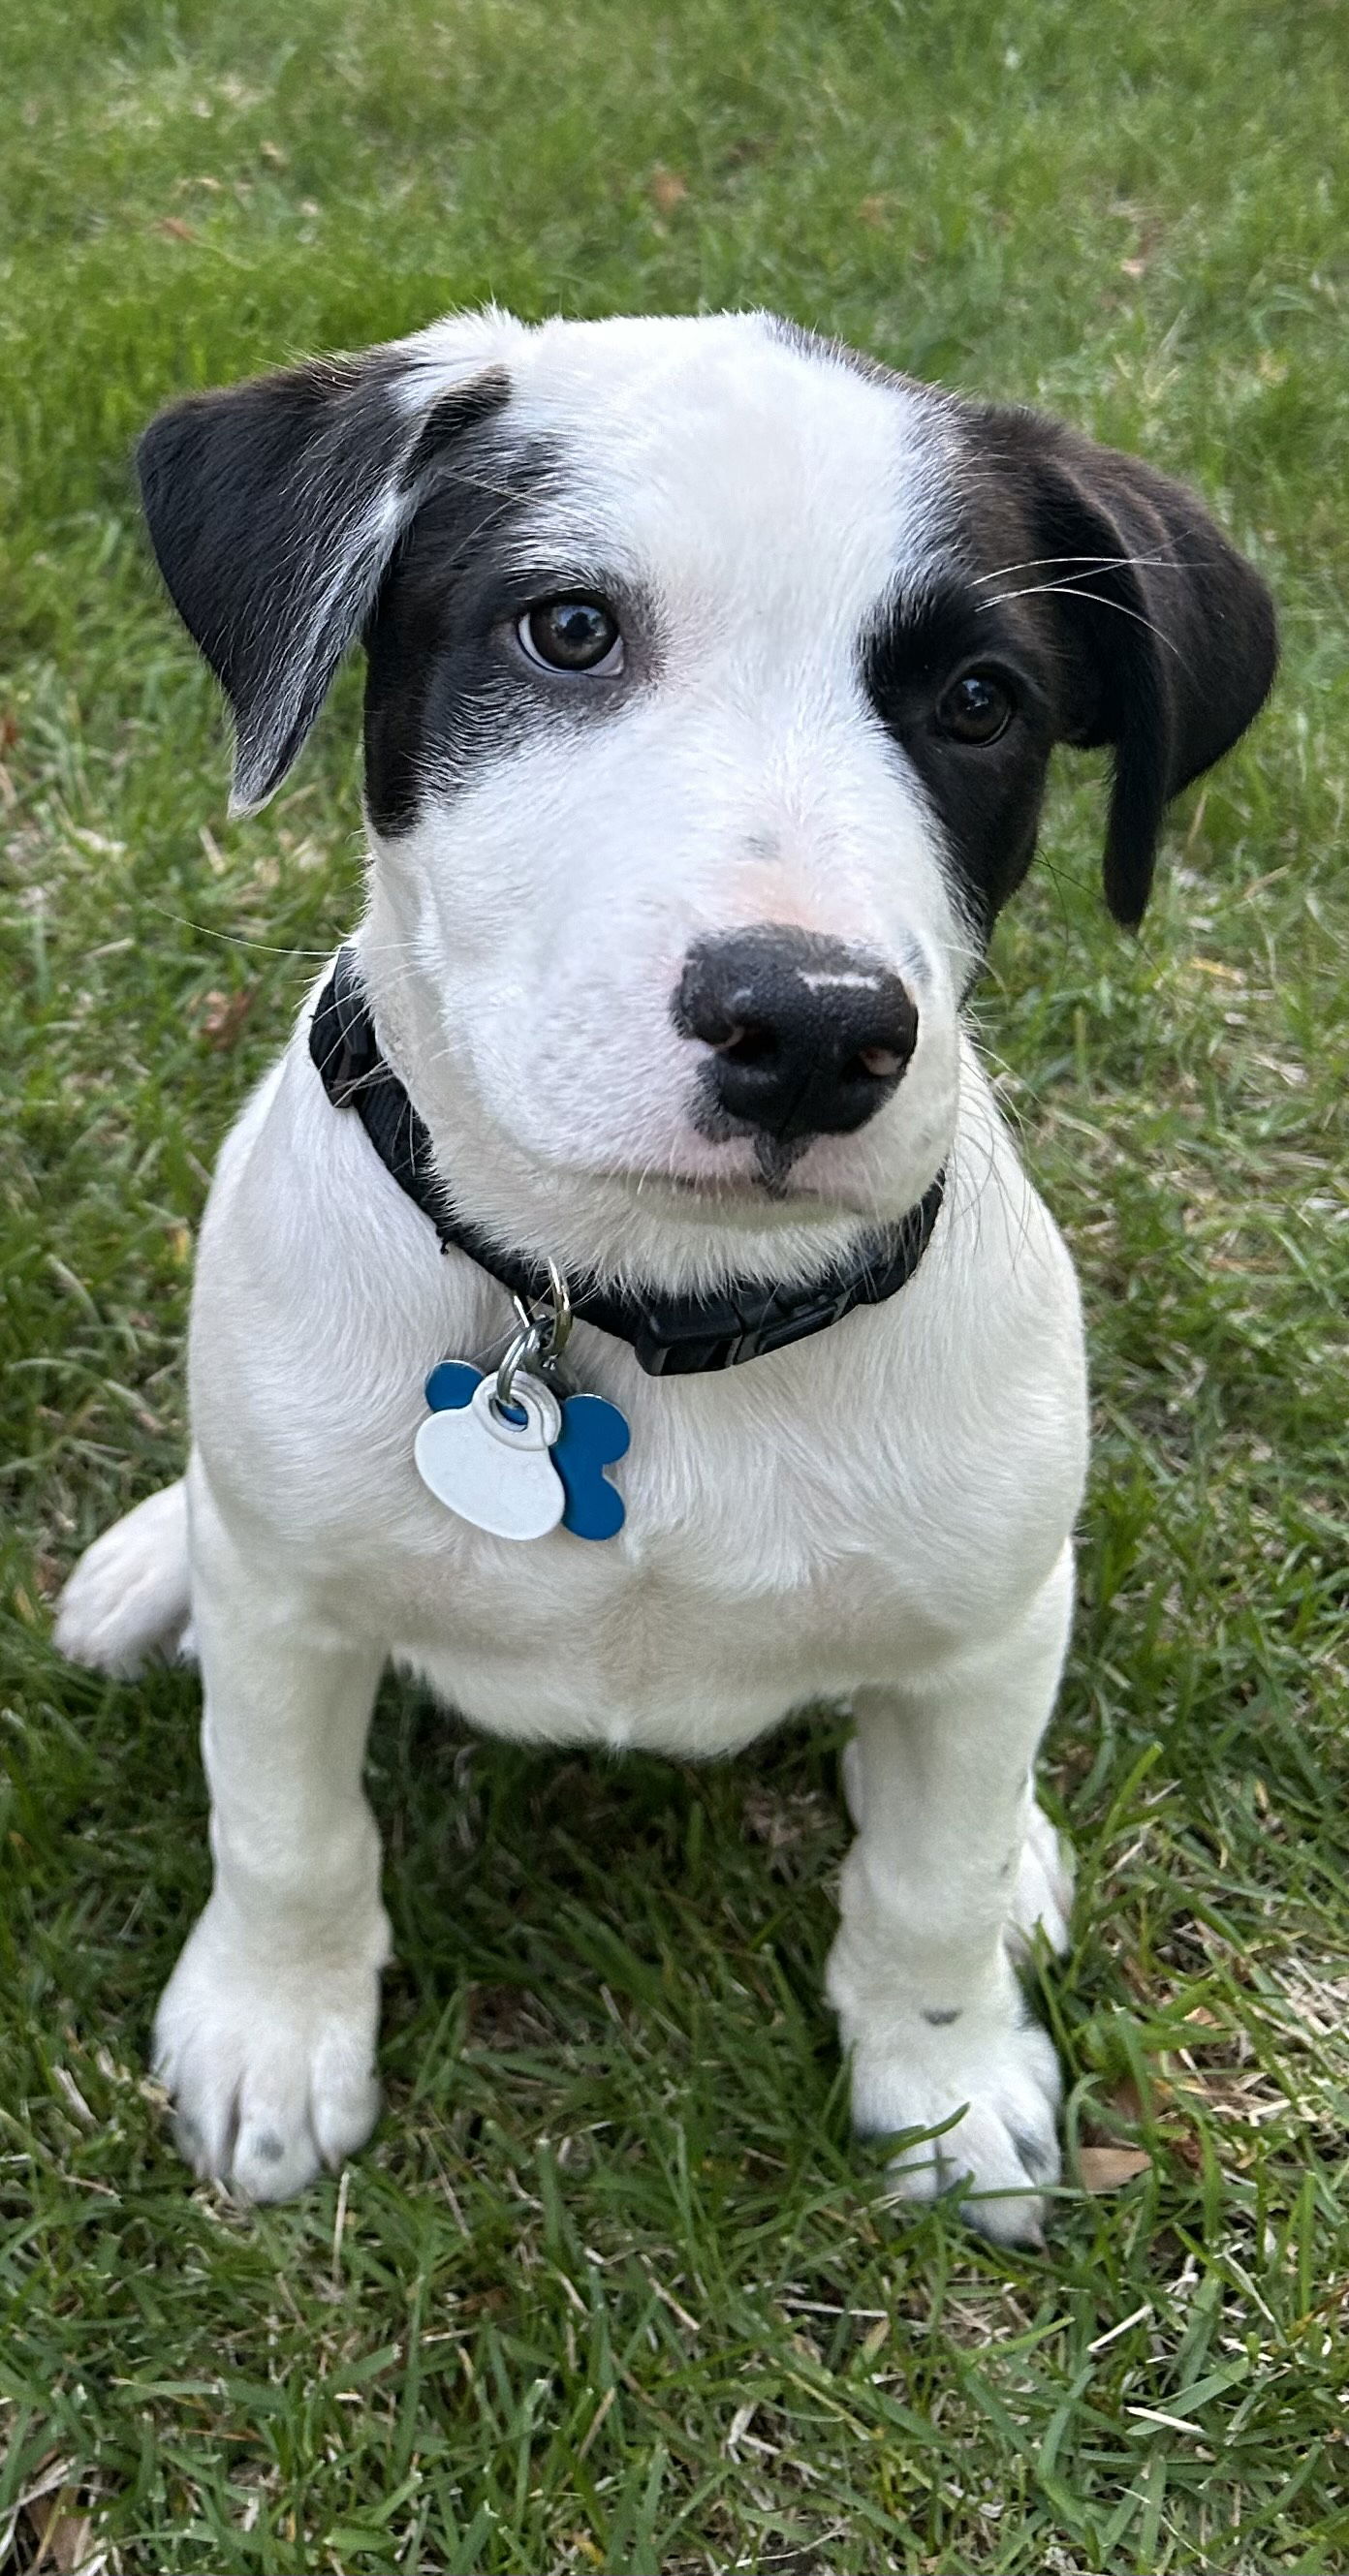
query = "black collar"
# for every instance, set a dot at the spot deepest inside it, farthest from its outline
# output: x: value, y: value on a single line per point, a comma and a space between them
x: 672, y: 1336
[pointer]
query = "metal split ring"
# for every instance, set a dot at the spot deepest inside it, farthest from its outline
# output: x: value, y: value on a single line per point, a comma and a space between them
x: 542, y: 1336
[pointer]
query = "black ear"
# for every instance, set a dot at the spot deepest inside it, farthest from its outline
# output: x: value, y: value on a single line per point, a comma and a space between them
x: 1168, y: 642
x: 274, y: 508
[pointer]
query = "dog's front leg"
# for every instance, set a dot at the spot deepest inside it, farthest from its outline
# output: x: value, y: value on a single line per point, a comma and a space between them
x: 265, y: 2034
x: 932, y: 1892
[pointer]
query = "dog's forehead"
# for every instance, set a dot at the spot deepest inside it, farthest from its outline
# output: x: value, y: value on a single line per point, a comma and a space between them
x: 731, y: 453
x: 729, y: 450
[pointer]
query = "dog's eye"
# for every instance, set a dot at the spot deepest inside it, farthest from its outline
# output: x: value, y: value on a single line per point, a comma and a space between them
x: 572, y: 635
x: 976, y: 708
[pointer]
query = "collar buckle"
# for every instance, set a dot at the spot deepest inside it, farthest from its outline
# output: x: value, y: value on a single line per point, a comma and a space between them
x: 721, y: 1335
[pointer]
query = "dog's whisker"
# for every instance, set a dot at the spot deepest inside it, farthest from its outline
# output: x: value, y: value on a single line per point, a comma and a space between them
x: 1091, y: 599
x: 1085, y: 563
x: 232, y: 938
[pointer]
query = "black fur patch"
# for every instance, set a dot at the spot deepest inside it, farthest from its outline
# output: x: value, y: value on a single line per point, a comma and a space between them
x: 463, y: 408
x: 442, y: 688
x: 1114, y: 604
x: 433, y: 681
x: 986, y: 798
x: 273, y: 508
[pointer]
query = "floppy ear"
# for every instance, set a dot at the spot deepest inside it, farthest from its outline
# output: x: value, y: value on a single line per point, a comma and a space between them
x: 274, y: 508
x: 1168, y: 636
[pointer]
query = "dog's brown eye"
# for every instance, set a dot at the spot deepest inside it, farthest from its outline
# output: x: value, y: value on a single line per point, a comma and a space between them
x: 572, y: 635
x: 976, y: 708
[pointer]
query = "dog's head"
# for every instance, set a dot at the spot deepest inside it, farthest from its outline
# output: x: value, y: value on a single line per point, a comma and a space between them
x: 712, y: 677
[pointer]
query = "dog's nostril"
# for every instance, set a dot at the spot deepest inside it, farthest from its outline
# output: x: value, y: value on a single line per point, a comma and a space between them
x: 750, y: 1045
x: 881, y: 1062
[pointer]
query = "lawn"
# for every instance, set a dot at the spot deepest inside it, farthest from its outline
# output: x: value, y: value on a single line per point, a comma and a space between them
x: 613, y: 2289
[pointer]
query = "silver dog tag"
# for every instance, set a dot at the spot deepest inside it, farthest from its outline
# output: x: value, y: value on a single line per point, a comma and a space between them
x: 494, y: 1471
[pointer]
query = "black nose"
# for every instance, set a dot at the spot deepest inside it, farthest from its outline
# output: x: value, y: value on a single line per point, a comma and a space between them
x: 809, y: 1037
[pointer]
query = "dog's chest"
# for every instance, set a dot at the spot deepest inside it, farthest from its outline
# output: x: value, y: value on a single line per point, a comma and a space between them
x: 753, y: 1573
x: 646, y: 1649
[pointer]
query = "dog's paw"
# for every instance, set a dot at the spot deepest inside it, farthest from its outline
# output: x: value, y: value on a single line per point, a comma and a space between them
x: 997, y: 2083
x: 128, y: 1599
x: 271, y: 2072
x: 1042, y: 1898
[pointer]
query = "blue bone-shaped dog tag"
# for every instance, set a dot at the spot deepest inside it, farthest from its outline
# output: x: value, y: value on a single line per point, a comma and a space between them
x: 450, y: 1387
x: 594, y: 1436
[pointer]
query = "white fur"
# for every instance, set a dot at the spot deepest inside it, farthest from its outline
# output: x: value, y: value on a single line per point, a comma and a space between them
x: 882, y: 1514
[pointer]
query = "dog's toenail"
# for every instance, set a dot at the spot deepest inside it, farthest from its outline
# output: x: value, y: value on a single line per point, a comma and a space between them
x: 269, y: 2149
x: 941, y: 2015
x: 1035, y: 2155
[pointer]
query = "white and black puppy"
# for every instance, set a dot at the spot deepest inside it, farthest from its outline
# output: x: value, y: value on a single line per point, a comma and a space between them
x: 712, y: 676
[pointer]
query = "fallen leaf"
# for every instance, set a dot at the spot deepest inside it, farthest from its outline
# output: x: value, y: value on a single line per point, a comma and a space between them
x: 272, y: 152
x: 175, y: 228
x: 63, y: 2533
x: 666, y: 189
x: 223, y: 1015
x: 1108, y: 2168
x: 1133, y: 267
x: 875, y: 211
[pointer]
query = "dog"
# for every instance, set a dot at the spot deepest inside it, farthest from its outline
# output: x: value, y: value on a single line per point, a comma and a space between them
x: 712, y: 676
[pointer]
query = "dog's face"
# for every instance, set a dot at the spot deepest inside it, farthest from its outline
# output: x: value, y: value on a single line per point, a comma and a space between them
x: 712, y: 681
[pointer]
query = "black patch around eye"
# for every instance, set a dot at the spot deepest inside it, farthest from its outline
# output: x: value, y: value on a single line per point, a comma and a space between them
x: 440, y: 693
x: 985, y: 787
x: 427, y: 655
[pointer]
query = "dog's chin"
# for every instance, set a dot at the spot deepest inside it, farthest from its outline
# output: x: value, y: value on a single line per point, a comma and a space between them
x: 752, y: 1199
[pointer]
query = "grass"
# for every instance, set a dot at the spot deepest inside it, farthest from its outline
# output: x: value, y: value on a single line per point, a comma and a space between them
x: 612, y: 2290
